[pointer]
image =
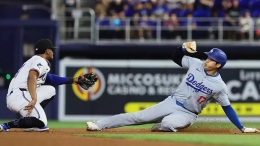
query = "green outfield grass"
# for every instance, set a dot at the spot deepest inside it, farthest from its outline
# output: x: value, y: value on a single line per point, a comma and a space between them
x: 235, y: 140
x: 57, y: 124
x: 224, y: 139
x: 241, y: 140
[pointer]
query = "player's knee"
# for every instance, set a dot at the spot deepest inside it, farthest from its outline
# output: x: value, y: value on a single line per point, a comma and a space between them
x: 165, y: 124
x: 174, y: 124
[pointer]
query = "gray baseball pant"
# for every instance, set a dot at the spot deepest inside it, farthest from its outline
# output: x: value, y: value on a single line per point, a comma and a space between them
x: 171, y: 116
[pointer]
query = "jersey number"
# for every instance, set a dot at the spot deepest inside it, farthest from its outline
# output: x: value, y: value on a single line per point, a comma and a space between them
x: 201, y: 99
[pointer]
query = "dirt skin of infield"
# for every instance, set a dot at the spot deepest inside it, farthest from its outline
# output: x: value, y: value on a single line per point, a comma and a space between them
x: 67, y: 137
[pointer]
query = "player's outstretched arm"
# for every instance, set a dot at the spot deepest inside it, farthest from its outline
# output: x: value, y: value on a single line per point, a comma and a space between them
x: 85, y: 81
x: 231, y: 114
x: 54, y: 80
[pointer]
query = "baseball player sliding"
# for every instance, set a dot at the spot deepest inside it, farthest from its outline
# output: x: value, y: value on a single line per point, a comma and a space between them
x: 28, y: 96
x: 201, y: 84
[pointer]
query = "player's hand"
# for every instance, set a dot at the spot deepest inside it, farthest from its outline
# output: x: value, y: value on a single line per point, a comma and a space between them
x: 190, y: 46
x: 250, y: 130
x: 30, y: 107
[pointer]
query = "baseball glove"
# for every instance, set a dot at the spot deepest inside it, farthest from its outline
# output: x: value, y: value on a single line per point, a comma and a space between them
x: 190, y: 46
x: 87, y: 80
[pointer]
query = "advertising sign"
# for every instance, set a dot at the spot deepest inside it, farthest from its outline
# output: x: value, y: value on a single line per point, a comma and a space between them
x: 132, y: 85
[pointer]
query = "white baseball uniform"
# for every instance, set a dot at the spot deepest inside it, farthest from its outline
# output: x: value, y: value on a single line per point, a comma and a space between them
x: 18, y: 95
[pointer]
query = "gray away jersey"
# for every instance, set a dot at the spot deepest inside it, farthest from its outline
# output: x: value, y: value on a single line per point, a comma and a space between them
x: 198, y: 89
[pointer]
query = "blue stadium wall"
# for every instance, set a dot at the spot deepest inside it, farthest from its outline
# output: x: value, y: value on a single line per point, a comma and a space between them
x: 234, y: 51
x: 14, y: 33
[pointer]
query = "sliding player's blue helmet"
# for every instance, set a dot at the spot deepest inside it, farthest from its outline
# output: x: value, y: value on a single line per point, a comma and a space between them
x: 218, y: 56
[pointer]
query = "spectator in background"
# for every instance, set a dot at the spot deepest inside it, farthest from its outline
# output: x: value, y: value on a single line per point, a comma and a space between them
x: 189, y: 23
x: 205, y: 5
x: 128, y: 11
x: 115, y: 24
x: 218, y: 10
x: 170, y: 27
x: 190, y: 4
x: 122, y: 18
x: 231, y: 15
x: 114, y: 20
x: 134, y: 23
x: 203, y: 8
x: 183, y: 11
x: 103, y: 22
x: 68, y: 6
x: 258, y: 27
x: 154, y: 2
x: 226, y: 4
x: 172, y: 4
x: 214, y: 26
x: 122, y: 31
x: 146, y: 9
x: 145, y: 28
x: 131, y: 5
x: 138, y: 7
x: 160, y: 9
x: 217, y: 6
x: 102, y: 7
x: 116, y: 6
x: 177, y: 4
x: 246, y: 23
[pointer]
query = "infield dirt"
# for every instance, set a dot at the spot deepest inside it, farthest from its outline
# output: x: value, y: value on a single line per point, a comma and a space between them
x: 68, y: 137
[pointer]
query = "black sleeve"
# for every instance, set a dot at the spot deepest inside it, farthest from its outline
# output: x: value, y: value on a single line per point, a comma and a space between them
x: 178, y: 55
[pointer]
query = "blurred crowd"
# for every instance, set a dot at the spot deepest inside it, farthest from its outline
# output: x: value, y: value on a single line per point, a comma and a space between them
x: 175, y: 16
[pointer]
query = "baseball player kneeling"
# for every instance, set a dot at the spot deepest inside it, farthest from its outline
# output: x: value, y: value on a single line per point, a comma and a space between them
x: 201, y: 84
x: 28, y: 96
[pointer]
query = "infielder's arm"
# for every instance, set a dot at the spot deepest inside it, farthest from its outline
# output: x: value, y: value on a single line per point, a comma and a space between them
x: 85, y: 81
x: 32, y: 84
x: 53, y: 80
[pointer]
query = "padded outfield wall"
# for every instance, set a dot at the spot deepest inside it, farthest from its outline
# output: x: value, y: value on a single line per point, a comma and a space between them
x: 132, y: 85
